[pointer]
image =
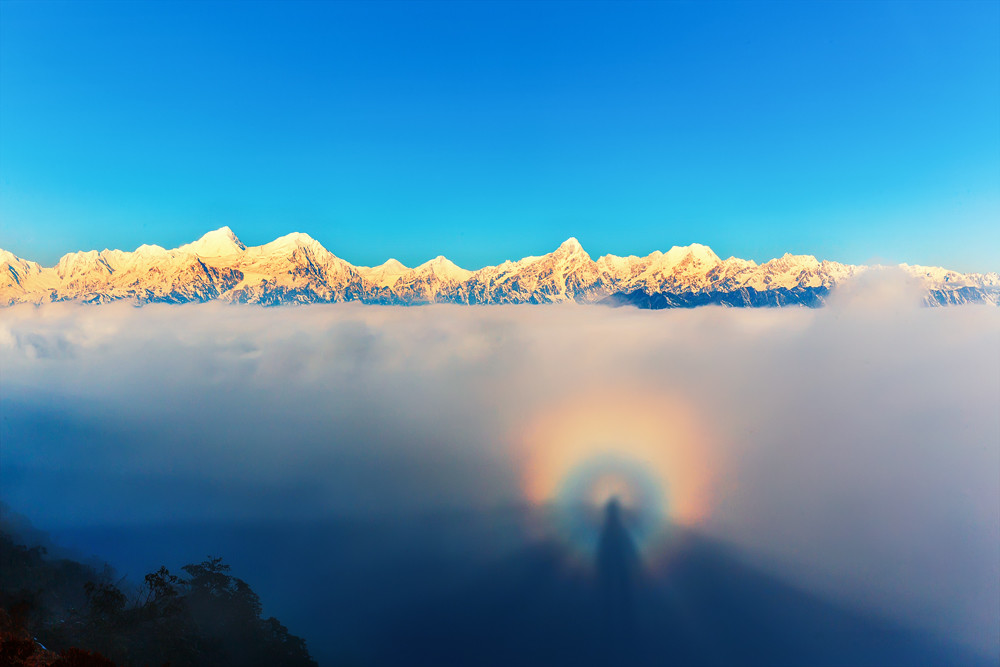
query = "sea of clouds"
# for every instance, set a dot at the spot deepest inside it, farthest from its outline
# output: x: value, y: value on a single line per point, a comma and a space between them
x: 857, y: 446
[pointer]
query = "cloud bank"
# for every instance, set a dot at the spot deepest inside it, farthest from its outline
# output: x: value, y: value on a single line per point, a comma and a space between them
x: 853, y: 448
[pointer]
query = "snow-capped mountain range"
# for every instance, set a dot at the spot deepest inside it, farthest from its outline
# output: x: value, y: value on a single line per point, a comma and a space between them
x: 298, y: 269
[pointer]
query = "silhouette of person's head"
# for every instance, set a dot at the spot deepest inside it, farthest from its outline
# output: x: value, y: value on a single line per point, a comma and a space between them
x: 617, y: 557
x: 612, y: 510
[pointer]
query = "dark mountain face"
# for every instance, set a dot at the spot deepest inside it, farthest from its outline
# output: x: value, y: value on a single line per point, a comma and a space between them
x: 748, y: 297
x: 744, y: 297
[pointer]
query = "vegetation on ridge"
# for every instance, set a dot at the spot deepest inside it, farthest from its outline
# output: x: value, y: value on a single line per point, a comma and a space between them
x: 62, y: 613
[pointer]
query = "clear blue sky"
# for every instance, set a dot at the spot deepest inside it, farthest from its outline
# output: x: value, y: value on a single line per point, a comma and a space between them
x: 487, y: 131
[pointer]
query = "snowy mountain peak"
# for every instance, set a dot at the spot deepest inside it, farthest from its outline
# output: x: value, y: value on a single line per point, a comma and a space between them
x: 7, y: 257
x: 570, y: 246
x: 218, y: 243
x: 298, y: 269
x: 789, y: 260
x: 77, y: 262
x: 702, y: 252
x: 385, y: 274
x: 696, y: 251
x: 391, y: 264
x: 290, y: 243
x: 146, y: 250
x: 443, y: 267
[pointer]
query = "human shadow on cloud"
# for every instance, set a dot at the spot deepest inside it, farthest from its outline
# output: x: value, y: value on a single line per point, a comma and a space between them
x: 702, y: 606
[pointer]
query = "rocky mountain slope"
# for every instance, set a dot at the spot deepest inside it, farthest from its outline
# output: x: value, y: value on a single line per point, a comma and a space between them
x: 298, y: 269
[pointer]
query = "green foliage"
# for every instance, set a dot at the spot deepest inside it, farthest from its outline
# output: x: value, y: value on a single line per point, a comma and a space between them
x: 81, y: 616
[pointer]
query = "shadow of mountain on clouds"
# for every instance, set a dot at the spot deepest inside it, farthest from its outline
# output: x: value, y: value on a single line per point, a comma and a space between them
x: 464, y: 588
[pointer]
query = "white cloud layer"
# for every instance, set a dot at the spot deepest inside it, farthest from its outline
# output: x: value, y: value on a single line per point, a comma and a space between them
x: 856, y: 447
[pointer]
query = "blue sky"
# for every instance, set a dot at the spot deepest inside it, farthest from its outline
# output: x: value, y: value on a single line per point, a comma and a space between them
x: 487, y: 131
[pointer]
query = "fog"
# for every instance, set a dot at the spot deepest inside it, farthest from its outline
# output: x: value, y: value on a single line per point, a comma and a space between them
x: 853, y: 449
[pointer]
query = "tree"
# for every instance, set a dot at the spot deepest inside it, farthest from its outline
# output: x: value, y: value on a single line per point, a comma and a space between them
x: 82, y: 615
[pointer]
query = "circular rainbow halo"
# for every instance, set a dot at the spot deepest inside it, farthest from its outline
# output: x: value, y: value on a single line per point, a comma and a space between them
x: 644, y: 448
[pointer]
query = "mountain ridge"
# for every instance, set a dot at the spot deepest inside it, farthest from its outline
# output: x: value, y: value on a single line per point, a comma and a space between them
x: 295, y: 268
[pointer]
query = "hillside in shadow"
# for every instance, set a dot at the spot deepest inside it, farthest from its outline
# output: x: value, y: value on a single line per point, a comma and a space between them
x: 58, y: 612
